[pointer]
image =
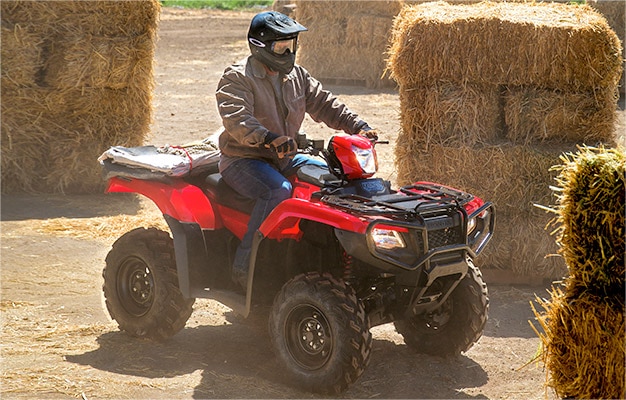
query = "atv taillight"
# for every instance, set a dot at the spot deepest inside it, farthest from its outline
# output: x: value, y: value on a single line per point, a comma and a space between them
x: 356, y: 155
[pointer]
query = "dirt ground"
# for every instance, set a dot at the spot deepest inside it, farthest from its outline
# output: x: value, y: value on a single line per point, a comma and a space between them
x: 58, y: 341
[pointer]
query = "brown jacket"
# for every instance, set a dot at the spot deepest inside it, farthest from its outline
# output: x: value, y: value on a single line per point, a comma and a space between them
x: 249, y: 109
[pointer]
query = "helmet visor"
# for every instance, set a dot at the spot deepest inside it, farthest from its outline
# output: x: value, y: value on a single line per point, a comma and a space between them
x: 281, y: 46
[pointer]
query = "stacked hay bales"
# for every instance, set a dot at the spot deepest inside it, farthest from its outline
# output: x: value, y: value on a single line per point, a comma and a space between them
x: 346, y: 40
x: 491, y: 95
x: 615, y: 13
x: 76, y: 79
x: 583, y: 338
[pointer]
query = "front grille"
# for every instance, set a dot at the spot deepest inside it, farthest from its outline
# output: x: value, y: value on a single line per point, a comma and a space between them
x: 444, y: 237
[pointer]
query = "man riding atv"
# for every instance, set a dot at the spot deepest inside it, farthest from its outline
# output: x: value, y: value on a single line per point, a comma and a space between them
x: 354, y: 252
x: 262, y: 101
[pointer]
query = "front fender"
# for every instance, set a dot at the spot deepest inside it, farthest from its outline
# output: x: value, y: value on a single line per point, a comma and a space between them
x: 283, y: 221
x: 178, y: 199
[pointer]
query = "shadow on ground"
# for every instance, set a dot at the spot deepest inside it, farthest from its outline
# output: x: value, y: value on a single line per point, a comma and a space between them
x: 240, y: 355
x: 20, y: 207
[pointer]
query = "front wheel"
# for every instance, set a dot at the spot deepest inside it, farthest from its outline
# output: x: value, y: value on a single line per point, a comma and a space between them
x: 320, y: 332
x: 141, y: 285
x: 456, y: 325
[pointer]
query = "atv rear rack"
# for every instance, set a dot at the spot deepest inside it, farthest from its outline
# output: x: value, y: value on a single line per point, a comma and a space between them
x: 409, y: 203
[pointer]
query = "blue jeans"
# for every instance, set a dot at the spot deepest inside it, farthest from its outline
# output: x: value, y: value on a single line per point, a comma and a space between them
x: 257, y: 179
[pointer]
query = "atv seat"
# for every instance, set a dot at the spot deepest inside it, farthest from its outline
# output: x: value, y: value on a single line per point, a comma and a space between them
x: 227, y: 196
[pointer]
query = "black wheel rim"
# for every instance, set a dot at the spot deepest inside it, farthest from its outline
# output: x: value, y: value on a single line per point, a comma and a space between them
x: 135, y: 286
x: 437, y: 319
x: 308, y: 336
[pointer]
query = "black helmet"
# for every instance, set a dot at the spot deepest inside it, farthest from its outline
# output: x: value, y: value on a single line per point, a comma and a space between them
x: 272, y: 38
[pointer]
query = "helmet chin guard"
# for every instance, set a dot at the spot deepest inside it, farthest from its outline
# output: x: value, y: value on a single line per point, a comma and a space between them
x: 277, y: 62
x: 269, y: 27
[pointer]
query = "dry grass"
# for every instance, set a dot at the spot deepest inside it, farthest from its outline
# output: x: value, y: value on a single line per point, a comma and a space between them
x: 591, y: 190
x: 615, y: 14
x: 582, y: 346
x: 21, y: 56
x: 524, y: 247
x: 108, y: 228
x: 78, y: 80
x: 28, y: 332
x: 445, y: 114
x: 492, y: 118
x: 472, y: 44
x: 514, y: 177
x: 583, y: 332
x: 346, y: 39
x: 533, y: 115
x: 100, y: 62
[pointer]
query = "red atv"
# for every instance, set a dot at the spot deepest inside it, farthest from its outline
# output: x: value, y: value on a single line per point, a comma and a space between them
x: 345, y: 253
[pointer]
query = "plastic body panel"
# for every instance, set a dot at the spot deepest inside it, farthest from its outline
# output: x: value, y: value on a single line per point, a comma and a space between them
x: 178, y: 199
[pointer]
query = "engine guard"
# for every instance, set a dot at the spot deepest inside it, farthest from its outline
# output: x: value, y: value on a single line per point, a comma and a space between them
x: 422, y: 302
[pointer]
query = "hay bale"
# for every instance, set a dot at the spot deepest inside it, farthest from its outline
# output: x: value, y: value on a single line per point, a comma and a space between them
x: 522, y: 245
x: 51, y: 138
x: 21, y: 56
x: 287, y: 7
x: 444, y: 114
x: 97, y: 18
x: 453, y: 112
x: 583, y: 334
x: 85, y: 85
x: 583, y: 345
x: 28, y: 115
x: 492, y: 119
x: 100, y: 62
x: 471, y: 44
x: 615, y: 13
x: 346, y: 40
x: 534, y: 115
x: 513, y: 177
x: 591, y: 196
x: 449, y: 114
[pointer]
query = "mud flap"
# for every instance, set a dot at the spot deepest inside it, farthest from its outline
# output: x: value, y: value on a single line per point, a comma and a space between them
x: 240, y: 304
x: 194, y: 273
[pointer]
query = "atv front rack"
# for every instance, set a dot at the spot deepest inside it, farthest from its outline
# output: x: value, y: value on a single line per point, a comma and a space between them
x: 409, y: 203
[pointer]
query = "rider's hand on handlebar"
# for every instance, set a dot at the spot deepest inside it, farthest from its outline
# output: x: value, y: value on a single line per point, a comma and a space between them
x: 369, y: 133
x: 283, y: 146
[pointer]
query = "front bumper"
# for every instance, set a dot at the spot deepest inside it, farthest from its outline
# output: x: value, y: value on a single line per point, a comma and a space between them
x: 427, y: 243
x: 434, y: 258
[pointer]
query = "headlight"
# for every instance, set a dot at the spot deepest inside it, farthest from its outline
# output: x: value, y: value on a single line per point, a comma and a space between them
x: 471, y: 225
x: 366, y: 159
x: 387, y: 239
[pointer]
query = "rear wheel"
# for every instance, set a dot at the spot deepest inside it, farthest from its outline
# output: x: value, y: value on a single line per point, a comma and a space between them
x: 141, y: 285
x: 320, y: 332
x: 456, y: 325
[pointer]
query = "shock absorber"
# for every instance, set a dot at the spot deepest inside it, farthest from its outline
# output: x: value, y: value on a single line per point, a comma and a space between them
x: 348, y: 264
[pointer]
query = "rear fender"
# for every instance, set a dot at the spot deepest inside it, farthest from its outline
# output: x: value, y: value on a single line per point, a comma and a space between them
x: 283, y: 221
x: 178, y: 199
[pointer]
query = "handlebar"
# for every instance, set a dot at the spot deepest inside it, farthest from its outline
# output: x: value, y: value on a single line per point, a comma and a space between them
x: 317, y: 145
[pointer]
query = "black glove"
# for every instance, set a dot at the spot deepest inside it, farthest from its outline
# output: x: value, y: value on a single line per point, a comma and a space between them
x: 283, y: 146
